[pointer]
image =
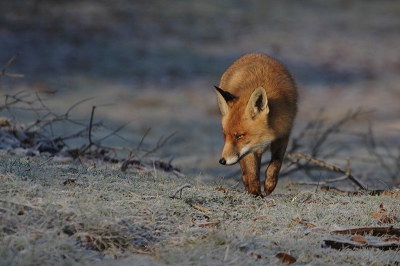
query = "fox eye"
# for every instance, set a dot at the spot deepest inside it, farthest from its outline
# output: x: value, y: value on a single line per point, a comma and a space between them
x: 237, y: 137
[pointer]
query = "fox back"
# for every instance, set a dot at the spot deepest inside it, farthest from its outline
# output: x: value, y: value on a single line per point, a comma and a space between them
x: 257, y: 98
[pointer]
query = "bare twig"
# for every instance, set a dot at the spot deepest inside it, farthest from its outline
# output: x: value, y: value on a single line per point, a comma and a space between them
x: 330, y: 167
x: 90, y: 125
x: 85, y: 148
x: 161, y: 142
x: 179, y: 189
x: 319, y: 183
x: 3, y: 72
x: 289, y: 165
x: 114, y: 133
x: 141, y: 141
x: 320, y: 138
x: 75, y: 105
x: 200, y: 208
x: 384, y: 160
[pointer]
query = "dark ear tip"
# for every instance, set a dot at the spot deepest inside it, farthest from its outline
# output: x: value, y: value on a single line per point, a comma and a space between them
x: 227, y: 96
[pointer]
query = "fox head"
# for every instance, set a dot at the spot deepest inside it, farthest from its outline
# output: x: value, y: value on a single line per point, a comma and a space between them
x: 244, y: 124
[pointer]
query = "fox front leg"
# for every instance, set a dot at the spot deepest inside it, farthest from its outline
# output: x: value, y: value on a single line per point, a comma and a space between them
x: 278, y: 148
x: 250, y: 165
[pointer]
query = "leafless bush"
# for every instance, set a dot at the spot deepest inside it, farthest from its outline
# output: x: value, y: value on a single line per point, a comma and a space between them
x: 315, y: 137
x: 319, y: 141
x: 41, y: 137
x: 389, y: 159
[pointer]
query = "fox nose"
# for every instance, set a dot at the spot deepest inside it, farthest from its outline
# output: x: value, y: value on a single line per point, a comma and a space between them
x: 222, y: 161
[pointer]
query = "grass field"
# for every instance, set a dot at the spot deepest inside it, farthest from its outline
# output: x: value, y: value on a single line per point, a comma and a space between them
x: 73, y: 214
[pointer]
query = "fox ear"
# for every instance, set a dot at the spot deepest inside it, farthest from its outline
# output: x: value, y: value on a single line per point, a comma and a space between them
x: 258, y: 103
x: 224, y: 98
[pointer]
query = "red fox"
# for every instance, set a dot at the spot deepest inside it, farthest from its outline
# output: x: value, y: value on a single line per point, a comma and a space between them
x: 257, y: 98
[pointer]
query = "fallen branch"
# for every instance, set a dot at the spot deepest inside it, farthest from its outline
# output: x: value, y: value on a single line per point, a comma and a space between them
x: 297, y: 220
x: 325, y: 182
x: 348, y: 244
x: 330, y: 167
x: 179, y: 189
x: 376, y: 192
x: 391, y: 241
x: 375, y: 231
x: 198, y: 207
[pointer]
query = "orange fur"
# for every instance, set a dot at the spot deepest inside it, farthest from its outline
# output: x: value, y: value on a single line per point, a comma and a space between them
x: 258, y: 102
